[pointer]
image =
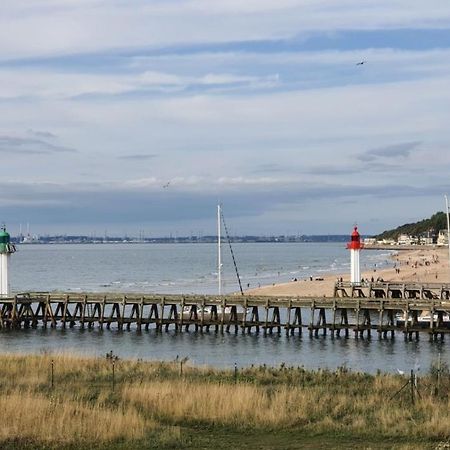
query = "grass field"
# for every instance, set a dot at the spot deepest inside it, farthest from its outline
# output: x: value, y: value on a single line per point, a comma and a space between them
x: 170, y: 405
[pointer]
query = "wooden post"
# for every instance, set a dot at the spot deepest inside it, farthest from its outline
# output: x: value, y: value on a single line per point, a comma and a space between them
x: 311, y: 324
x: 83, y: 311
x: 66, y: 305
x: 161, y: 321
x: 333, y: 327
x: 432, y: 322
x: 288, y: 324
x: 52, y: 375
x: 244, y: 316
x: 180, y: 318
x: 113, y: 373
x: 222, y: 319
x: 124, y: 302
x: 267, y: 317
x: 357, y: 320
x: 202, y: 315
x: 14, y: 313
x: 141, y: 314
x: 380, y: 318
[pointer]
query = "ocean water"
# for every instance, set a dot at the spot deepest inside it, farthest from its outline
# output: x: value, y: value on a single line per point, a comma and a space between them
x: 174, y: 268
x: 191, y: 268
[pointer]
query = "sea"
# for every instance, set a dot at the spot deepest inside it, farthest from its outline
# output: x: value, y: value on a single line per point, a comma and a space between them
x: 192, y: 268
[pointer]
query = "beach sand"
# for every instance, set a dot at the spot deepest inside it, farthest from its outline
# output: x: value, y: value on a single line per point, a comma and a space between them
x: 421, y: 266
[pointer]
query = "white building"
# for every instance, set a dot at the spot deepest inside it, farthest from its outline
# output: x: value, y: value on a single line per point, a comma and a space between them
x: 442, y: 237
x: 404, y: 239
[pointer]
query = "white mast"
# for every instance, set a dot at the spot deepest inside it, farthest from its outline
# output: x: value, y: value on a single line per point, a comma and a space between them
x: 448, y: 228
x: 219, y: 250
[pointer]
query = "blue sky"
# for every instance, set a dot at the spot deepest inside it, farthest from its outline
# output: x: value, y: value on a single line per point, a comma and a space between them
x: 258, y: 104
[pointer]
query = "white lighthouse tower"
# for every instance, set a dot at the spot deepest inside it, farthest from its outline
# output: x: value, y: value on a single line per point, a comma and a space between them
x: 355, y: 247
x: 6, y: 249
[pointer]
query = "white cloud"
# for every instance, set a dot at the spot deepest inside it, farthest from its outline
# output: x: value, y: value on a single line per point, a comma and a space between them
x: 214, y: 118
x: 48, y: 85
x: 32, y: 28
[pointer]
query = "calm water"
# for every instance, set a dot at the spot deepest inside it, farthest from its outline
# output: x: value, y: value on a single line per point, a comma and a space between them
x: 190, y: 268
x: 173, y: 268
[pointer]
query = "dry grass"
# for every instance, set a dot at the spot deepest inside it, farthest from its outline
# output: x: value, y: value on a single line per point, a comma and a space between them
x: 152, y: 400
x: 35, y: 417
x: 318, y: 409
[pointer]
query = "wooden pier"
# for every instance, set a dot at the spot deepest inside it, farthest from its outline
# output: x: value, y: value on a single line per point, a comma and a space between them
x: 385, y: 308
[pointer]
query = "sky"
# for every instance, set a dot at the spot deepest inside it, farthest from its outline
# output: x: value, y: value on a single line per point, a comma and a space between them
x: 125, y: 115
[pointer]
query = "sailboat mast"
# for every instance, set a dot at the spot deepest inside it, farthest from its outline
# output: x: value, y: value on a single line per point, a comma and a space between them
x: 219, y: 250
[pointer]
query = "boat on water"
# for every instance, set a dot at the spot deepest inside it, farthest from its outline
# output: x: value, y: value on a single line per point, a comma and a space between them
x: 423, y: 320
x: 210, y: 312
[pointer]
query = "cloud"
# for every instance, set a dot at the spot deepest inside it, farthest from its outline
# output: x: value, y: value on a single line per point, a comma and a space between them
x: 89, y: 26
x: 269, y: 168
x: 246, y: 201
x: 30, y: 146
x: 47, y: 84
x: 258, y: 103
x: 393, y: 151
x: 42, y: 134
x: 138, y: 157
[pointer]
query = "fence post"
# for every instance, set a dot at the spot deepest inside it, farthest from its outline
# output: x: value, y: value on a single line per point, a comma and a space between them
x: 113, y: 380
x: 52, y: 375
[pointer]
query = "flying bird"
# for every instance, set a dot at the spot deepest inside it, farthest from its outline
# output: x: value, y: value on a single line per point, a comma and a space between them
x: 361, y: 63
x: 165, y: 186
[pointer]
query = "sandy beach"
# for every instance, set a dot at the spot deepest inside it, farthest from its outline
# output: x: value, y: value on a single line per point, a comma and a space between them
x: 419, y: 265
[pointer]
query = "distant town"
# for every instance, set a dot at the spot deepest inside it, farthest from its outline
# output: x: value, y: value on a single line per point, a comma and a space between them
x: 192, y: 239
x: 403, y: 240
x: 427, y: 232
x: 406, y: 240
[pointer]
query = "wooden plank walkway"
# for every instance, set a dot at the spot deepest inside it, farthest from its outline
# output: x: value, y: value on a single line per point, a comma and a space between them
x: 380, y: 307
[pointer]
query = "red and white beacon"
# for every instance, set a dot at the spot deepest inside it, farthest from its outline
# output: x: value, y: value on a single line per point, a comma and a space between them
x: 355, y: 247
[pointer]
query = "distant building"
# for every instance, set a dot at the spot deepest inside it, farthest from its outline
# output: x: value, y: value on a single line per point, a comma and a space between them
x: 442, y: 237
x: 388, y: 242
x: 404, y: 239
x: 426, y: 240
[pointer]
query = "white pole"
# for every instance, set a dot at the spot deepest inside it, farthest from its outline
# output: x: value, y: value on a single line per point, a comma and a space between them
x: 448, y: 228
x: 219, y: 248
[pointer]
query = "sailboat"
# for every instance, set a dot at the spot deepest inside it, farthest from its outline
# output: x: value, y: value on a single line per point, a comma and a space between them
x: 220, y: 221
x: 206, y: 311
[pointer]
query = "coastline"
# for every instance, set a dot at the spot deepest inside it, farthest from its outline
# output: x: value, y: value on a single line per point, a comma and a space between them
x: 420, y: 265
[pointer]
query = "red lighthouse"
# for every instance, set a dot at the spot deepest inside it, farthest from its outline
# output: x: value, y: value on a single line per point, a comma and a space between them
x: 355, y: 247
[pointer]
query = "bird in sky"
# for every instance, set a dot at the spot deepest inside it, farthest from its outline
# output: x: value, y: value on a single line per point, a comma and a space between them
x: 360, y: 63
x: 165, y: 186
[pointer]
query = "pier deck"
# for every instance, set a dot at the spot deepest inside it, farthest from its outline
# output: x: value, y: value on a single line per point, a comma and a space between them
x: 381, y: 307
